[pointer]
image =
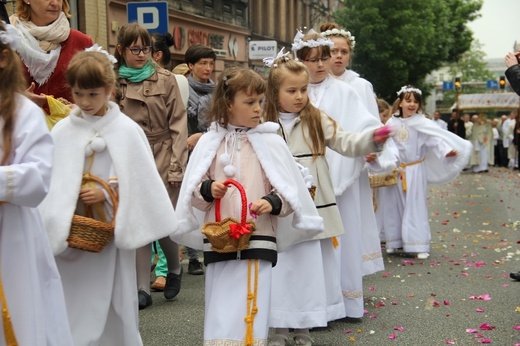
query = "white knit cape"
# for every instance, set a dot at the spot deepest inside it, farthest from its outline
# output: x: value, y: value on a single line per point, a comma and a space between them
x: 282, y: 172
x: 145, y: 211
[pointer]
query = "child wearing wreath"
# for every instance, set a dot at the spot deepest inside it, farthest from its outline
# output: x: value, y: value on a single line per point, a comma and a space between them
x: 97, y: 139
x: 426, y: 154
x: 239, y: 147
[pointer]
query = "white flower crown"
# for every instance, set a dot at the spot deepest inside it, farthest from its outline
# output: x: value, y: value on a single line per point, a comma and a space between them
x: 299, y: 43
x: 10, y: 36
x: 408, y: 89
x: 97, y: 48
x: 341, y: 32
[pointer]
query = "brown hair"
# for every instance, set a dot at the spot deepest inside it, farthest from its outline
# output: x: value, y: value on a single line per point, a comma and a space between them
x: 12, y: 83
x: 310, y: 116
x: 88, y: 70
x: 383, y: 106
x: 331, y: 26
x: 304, y: 53
x: 23, y: 9
x: 406, y: 96
x: 230, y: 82
x: 129, y: 34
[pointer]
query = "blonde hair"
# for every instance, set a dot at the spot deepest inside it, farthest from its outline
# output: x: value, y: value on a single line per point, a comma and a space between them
x: 12, y: 83
x: 89, y: 70
x: 383, y: 106
x: 23, y: 9
x: 182, y: 69
x: 310, y: 116
x: 230, y: 82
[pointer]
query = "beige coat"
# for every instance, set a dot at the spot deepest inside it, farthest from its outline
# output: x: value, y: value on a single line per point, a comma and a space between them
x: 345, y: 143
x: 156, y: 105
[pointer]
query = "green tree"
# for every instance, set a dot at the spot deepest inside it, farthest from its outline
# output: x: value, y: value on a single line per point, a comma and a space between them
x: 400, y: 42
x: 471, y: 66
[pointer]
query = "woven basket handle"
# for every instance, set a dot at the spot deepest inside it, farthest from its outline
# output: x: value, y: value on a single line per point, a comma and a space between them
x: 110, y: 191
x: 242, y: 196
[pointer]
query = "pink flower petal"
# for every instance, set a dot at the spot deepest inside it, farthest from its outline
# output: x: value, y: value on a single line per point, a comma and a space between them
x: 485, y: 297
x: 447, y: 302
x: 479, y: 310
x: 486, y: 326
x: 373, y: 316
x: 449, y: 342
x: 371, y: 288
x: 392, y: 336
x: 399, y: 328
x: 516, y: 327
x: 471, y: 331
x: 485, y: 341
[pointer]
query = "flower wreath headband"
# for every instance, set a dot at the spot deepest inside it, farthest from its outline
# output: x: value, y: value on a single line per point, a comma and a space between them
x: 299, y: 43
x: 409, y: 89
x: 97, y: 48
x: 10, y: 36
x: 341, y: 32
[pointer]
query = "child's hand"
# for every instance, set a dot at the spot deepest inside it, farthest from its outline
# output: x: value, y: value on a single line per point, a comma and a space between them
x: 260, y: 207
x: 218, y: 190
x: 381, y: 134
x: 452, y: 153
x: 92, y: 195
x: 370, y: 157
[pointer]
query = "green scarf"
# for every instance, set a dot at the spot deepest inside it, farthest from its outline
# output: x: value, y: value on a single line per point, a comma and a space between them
x: 136, y: 75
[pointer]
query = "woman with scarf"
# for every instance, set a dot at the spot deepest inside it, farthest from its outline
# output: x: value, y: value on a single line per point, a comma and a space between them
x: 201, y: 61
x: 150, y: 96
x: 48, y: 45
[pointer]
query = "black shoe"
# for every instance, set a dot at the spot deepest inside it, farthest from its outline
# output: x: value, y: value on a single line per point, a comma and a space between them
x: 145, y: 300
x: 173, y: 285
x: 195, y: 268
x: 515, y: 276
x: 350, y: 319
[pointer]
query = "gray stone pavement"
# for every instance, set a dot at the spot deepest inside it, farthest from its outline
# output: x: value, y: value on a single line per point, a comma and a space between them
x: 475, y: 246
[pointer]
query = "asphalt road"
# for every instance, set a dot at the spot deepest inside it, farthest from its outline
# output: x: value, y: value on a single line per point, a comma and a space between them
x: 461, y: 295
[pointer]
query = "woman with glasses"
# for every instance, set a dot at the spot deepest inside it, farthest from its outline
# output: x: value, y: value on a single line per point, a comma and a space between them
x: 150, y: 96
x: 353, y: 195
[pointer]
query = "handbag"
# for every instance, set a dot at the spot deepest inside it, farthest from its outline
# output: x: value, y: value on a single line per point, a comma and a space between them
x: 229, y: 235
x: 383, y: 180
x: 87, y: 233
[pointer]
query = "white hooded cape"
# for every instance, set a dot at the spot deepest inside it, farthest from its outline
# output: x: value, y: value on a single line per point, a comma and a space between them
x: 145, y: 211
x: 281, y: 170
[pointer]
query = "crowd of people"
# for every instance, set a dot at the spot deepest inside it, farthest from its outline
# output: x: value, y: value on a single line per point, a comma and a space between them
x: 275, y: 181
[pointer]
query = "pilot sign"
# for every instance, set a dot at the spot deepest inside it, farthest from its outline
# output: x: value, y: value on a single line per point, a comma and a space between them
x: 262, y: 49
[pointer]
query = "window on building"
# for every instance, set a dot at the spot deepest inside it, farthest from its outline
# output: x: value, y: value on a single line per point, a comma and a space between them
x: 209, y: 4
x: 226, y: 8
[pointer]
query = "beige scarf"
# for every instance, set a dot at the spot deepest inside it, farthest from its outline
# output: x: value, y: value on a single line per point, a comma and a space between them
x: 40, y: 47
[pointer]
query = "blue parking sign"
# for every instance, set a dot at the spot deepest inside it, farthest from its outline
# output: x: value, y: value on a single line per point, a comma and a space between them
x: 153, y: 16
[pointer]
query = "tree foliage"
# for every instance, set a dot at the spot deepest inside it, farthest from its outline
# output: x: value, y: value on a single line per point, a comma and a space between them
x: 471, y: 67
x: 400, y: 42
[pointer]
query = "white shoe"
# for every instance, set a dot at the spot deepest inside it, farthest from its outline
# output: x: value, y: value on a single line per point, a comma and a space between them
x: 423, y: 255
x: 390, y: 251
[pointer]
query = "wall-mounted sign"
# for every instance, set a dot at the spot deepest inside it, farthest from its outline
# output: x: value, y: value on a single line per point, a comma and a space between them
x: 262, y: 49
x: 153, y: 16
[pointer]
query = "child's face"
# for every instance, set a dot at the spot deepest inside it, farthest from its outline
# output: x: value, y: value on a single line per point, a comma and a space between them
x: 245, y: 110
x: 91, y: 101
x: 292, y: 93
x: 409, y: 105
x: 317, y: 65
x: 340, y: 55
x: 136, y: 60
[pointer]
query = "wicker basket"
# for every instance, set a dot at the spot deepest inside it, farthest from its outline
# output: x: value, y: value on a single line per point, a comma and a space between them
x: 89, y: 234
x: 229, y: 235
x: 383, y: 180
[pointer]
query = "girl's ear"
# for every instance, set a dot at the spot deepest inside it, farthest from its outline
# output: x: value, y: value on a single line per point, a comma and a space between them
x: 5, y: 55
x: 119, y: 49
x: 157, y: 56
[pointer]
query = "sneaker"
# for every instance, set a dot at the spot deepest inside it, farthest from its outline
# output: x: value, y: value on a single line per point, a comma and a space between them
x: 423, y: 255
x: 173, y: 285
x: 195, y: 268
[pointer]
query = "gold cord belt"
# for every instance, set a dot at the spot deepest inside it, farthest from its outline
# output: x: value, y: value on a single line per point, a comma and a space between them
x: 403, y: 171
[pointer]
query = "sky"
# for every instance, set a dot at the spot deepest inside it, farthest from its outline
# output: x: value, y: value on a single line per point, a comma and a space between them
x: 498, y: 27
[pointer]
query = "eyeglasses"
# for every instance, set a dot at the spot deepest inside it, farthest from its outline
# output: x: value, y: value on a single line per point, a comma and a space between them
x: 315, y: 60
x: 137, y: 51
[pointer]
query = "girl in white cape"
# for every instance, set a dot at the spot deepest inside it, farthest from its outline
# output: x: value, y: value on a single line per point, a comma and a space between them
x: 97, y: 139
x: 30, y: 287
x: 239, y: 147
x: 308, y: 132
x: 353, y: 195
x: 427, y: 154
